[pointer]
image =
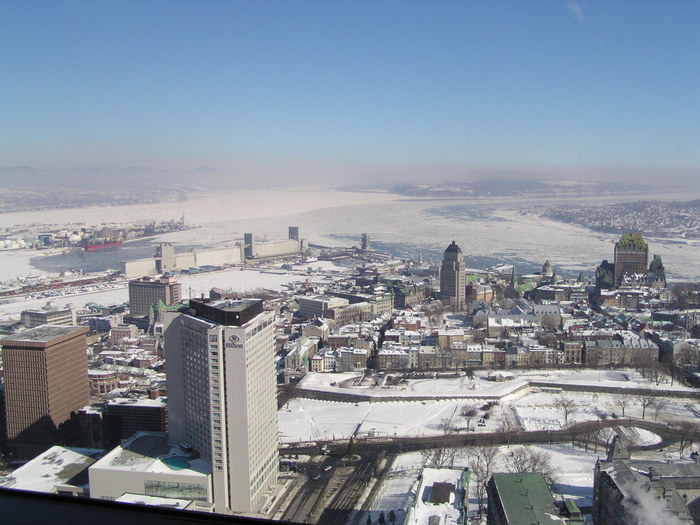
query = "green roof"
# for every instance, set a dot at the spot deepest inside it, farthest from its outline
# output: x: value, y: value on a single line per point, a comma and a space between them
x: 525, y: 287
x: 632, y: 242
x: 526, y: 499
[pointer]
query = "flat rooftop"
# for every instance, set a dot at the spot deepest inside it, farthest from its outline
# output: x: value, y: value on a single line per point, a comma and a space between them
x: 151, y: 452
x: 234, y: 305
x: 43, y: 334
x: 227, y: 311
x: 139, y: 402
x: 56, y: 467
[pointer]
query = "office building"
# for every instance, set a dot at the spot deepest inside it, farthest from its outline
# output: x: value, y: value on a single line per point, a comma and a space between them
x: 46, y: 384
x: 143, y: 293
x: 126, y: 416
x: 34, y: 318
x: 222, y: 396
x: 453, y: 278
x: 321, y: 306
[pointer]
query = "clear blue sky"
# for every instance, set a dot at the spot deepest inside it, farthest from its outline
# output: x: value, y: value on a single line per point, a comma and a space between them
x: 353, y: 89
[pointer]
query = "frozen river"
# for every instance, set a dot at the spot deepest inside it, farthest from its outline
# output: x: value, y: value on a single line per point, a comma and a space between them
x: 488, y: 231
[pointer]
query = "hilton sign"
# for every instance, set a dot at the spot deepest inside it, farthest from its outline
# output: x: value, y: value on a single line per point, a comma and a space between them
x: 233, y: 342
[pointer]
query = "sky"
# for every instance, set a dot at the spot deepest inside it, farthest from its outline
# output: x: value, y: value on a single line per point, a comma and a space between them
x: 354, y: 91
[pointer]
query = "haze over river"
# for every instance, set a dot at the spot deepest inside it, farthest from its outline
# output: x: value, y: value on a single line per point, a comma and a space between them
x: 489, y: 231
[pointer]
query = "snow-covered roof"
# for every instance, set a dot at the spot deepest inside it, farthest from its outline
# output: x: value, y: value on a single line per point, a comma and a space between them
x: 140, y: 499
x: 58, y: 466
x: 151, y: 452
x: 440, y: 493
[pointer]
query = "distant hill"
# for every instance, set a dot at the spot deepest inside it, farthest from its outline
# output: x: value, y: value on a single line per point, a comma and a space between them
x: 517, y: 188
x: 81, y: 177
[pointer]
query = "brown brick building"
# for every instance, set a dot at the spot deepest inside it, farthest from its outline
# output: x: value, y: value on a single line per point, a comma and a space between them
x: 145, y: 292
x: 46, y: 384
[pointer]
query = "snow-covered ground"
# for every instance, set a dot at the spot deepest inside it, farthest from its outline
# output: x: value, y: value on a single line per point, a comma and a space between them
x: 307, y: 419
x: 479, y: 387
x: 537, y: 412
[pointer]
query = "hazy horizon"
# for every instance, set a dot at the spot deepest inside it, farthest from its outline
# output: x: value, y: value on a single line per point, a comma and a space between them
x: 342, y: 93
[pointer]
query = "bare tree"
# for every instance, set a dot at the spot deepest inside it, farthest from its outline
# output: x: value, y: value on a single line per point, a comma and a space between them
x: 575, y: 432
x: 446, y: 426
x: 604, y: 435
x: 659, y: 404
x: 528, y: 459
x: 688, y: 434
x: 655, y: 373
x: 468, y: 412
x: 646, y: 400
x: 687, y: 355
x: 587, y: 435
x: 482, y: 464
x: 551, y: 322
x: 566, y: 406
x: 622, y: 402
x: 480, y: 319
x: 643, y: 362
x: 509, y: 427
x: 439, y: 457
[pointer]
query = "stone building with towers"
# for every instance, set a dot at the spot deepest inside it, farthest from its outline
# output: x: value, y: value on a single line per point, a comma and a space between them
x: 631, y: 256
x: 630, y: 266
x: 634, y: 491
x: 453, y: 278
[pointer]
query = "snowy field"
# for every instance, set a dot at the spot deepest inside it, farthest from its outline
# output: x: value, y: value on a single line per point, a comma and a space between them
x: 488, y: 230
x: 536, y: 411
x: 308, y: 420
x: 479, y: 387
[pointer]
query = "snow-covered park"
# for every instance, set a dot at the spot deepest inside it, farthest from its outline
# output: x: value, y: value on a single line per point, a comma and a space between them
x: 424, y: 407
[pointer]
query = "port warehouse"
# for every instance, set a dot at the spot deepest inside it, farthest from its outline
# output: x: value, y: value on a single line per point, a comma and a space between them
x: 215, y: 256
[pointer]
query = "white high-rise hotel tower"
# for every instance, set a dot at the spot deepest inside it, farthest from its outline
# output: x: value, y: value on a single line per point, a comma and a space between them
x: 222, y: 396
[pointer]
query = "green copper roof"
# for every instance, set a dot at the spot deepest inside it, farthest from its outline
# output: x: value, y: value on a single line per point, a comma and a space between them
x: 632, y: 241
x: 526, y: 499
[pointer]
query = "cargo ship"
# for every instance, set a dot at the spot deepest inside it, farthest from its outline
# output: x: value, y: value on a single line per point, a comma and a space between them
x: 93, y: 245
